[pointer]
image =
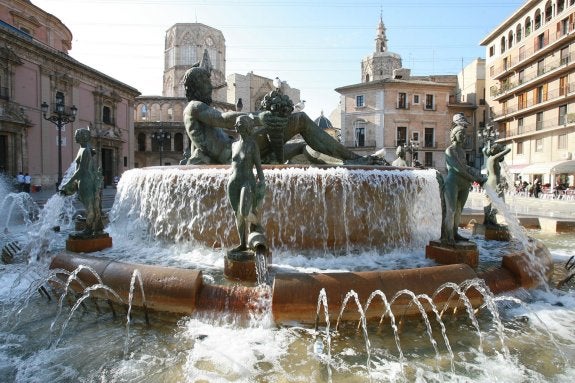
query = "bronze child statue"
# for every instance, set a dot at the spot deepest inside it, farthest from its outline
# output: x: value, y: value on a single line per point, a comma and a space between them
x: 87, y: 182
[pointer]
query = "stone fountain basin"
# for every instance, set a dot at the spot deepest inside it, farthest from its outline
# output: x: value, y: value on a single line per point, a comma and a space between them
x: 294, y: 296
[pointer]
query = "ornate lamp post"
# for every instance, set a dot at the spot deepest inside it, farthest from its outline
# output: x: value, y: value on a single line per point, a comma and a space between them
x: 161, y: 136
x: 488, y: 135
x: 59, y: 116
x: 412, y: 147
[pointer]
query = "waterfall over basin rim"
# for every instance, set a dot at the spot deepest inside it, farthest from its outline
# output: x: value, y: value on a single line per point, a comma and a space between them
x: 324, y: 208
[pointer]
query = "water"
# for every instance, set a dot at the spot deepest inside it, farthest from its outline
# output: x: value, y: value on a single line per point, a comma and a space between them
x: 522, y: 336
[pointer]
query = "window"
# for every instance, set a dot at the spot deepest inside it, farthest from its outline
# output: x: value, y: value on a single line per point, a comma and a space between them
x: 141, y: 142
x: 429, y: 138
x: 562, y: 141
x: 539, y: 98
x: 522, y: 53
x: 539, y: 145
x: 548, y: 11
x: 402, y: 100
x: 359, y: 133
x: 429, y: 159
x: 521, y: 76
x: 359, y: 136
x: 416, y: 99
x: 527, y: 26
x: 560, y: 6
x: 179, y: 142
x: 562, y: 85
x: 540, y: 41
x: 359, y: 101
x: 519, y: 147
x: 510, y: 39
x: 492, y: 51
x: 503, y: 44
x: 415, y: 136
x: 537, y: 19
x: 564, y: 56
x: 518, y: 31
x: 401, y: 135
x: 562, y: 115
x: 539, y: 121
x: 429, y: 102
x: 520, y: 127
x: 107, y: 115
x: 540, y: 67
x: 563, y: 27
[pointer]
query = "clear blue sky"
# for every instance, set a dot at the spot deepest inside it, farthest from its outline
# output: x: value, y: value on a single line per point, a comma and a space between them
x: 316, y: 46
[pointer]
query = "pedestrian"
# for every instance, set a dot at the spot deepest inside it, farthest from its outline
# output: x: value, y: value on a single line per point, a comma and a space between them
x: 27, y: 182
x: 20, y: 180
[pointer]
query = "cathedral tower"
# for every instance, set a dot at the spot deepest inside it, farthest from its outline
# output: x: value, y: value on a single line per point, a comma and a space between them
x: 381, y: 63
x: 184, y: 46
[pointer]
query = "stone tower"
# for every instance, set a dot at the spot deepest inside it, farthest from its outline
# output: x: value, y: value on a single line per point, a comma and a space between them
x: 184, y: 46
x: 381, y: 63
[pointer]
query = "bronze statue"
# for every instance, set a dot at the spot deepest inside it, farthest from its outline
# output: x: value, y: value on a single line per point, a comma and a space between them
x: 494, y: 155
x: 210, y: 145
x: 458, y: 181
x: 400, y: 160
x: 244, y: 191
x: 87, y: 182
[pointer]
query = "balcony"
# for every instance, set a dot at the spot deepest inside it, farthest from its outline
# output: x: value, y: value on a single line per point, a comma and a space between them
x: 429, y: 144
x: 532, y: 77
x: 553, y: 96
x: 530, y: 53
x: 538, y: 127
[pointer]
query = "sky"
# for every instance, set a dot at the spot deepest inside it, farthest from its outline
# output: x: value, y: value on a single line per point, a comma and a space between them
x: 316, y: 46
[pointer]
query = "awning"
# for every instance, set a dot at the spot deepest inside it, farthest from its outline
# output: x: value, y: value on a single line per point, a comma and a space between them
x: 558, y: 167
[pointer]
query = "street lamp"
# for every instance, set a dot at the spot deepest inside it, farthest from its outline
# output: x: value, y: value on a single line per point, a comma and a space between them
x: 161, y: 136
x: 412, y: 147
x: 488, y: 134
x: 60, y: 117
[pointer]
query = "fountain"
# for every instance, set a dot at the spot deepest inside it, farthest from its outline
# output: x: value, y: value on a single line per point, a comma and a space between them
x: 348, y: 251
x: 140, y: 271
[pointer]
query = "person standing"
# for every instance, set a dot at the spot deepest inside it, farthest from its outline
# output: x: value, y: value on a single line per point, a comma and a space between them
x: 27, y: 182
x: 20, y: 181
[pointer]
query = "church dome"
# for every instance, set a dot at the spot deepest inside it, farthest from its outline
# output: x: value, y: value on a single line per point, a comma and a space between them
x: 323, y: 122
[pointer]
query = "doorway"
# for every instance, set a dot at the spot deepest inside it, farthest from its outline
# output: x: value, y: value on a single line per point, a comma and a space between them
x: 108, y: 166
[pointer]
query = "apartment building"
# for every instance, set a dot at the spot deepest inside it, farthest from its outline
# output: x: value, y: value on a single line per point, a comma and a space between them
x: 530, y: 65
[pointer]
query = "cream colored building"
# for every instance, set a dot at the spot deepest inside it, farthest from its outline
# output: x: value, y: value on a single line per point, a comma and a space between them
x: 531, y: 88
x: 391, y: 108
x: 35, y: 68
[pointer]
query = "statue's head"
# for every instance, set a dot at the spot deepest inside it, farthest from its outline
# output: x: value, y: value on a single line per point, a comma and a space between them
x: 197, y: 84
x: 455, y: 131
x: 400, y: 151
x: 83, y: 136
x: 245, y: 124
x: 459, y: 119
x: 494, y: 149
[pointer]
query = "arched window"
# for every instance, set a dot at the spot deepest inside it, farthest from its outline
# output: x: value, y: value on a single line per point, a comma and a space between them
x: 503, y: 45
x: 560, y: 6
x: 367, y: 78
x: 510, y: 39
x: 537, y: 19
x: 179, y: 142
x: 548, y: 11
x: 141, y: 142
x: 527, y: 26
x: 518, y: 33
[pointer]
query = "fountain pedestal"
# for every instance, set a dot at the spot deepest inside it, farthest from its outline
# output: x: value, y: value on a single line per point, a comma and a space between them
x: 492, y: 232
x: 241, y: 265
x: 85, y: 244
x: 445, y: 254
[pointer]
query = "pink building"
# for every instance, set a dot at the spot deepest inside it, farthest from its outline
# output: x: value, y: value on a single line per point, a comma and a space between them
x: 35, y: 68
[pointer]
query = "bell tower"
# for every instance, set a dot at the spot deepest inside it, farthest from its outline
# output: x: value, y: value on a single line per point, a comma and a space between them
x: 381, y: 64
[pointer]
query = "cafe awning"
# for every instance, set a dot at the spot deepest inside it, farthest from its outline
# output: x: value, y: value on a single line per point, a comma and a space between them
x: 557, y: 167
